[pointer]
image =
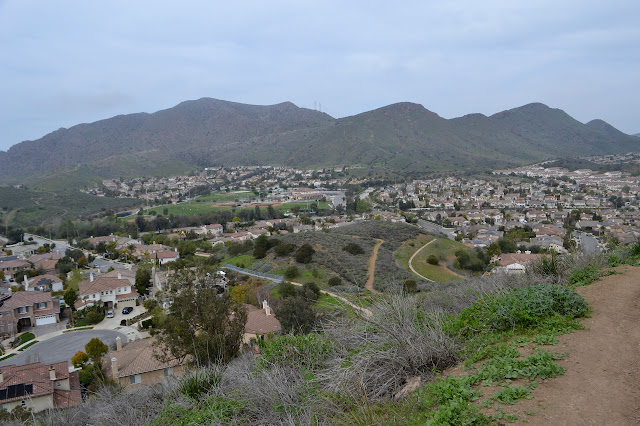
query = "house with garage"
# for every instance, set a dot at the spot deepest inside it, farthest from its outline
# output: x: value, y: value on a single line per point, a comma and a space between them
x: 106, y: 291
x: 31, y: 309
x: 38, y: 387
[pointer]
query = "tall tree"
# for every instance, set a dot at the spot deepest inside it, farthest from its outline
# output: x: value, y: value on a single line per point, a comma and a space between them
x: 200, y: 325
x: 70, y: 297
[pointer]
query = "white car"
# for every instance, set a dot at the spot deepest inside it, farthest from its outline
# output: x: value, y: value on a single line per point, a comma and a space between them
x: 109, y: 314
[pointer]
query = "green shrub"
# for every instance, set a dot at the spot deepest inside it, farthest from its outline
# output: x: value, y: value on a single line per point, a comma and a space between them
x: 305, y: 253
x: 291, y: 272
x: 284, y: 249
x: 433, y: 259
x: 303, y: 351
x: 410, y: 286
x: 199, y: 382
x: 334, y: 281
x: 520, y: 308
x: 286, y: 289
x: 584, y: 276
x: 353, y: 248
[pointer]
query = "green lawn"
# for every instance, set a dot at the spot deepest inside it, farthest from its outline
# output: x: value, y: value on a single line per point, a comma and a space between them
x: 242, y: 261
x: 442, y: 248
x: 226, y: 196
x: 328, y: 303
x: 308, y: 273
x: 191, y: 208
x: 408, y: 248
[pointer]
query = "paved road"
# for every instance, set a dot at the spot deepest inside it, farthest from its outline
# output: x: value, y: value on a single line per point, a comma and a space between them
x: 589, y: 243
x: 63, y: 347
x: 104, y: 264
x: 432, y: 227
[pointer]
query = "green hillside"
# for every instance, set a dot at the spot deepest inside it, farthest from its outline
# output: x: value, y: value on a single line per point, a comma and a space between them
x: 402, y: 137
x: 27, y: 207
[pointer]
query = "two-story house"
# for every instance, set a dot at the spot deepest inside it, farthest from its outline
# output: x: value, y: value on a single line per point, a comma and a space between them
x: 31, y: 309
x: 106, y: 291
x: 13, y: 268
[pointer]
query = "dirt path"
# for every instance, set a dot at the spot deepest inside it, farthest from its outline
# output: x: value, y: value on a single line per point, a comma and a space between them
x: 602, y: 382
x: 365, y: 311
x: 372, y: 268
x: 414, y: 255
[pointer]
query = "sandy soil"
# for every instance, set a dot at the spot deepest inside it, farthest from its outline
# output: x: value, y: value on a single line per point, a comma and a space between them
x: 372, y: 268
x: 602, y: 382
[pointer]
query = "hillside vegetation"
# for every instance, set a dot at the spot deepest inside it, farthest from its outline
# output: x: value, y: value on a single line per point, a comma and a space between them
x: 402, y: 137
x: 32, y: 208
x: 349, y: 371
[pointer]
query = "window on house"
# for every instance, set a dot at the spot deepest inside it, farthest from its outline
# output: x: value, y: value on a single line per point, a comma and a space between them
x: 42, y: 305
x: 136, y: 378
x: 23, y: 309
x: 168, y: 371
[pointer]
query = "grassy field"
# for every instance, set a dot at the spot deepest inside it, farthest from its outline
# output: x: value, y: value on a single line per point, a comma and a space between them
x: 242, y: 261
x: 442, y: 248
x: 194, y: 208
x: 226, y: 196
x: 408, y: 248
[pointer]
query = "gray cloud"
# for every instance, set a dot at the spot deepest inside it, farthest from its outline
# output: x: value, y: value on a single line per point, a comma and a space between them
x: 72, y: 62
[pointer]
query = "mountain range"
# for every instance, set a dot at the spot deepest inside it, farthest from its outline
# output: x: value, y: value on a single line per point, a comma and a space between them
x: 399, y: 137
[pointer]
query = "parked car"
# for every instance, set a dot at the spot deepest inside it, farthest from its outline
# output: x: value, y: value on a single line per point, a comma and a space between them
x: 109, y: 314
x: 127, y: 310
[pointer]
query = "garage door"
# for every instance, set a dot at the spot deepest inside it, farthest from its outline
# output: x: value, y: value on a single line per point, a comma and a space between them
x: 49, y: 319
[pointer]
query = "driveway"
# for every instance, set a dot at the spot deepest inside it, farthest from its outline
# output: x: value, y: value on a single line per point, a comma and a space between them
x: 63, y: 347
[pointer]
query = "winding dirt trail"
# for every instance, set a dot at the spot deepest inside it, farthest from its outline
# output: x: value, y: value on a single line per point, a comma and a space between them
x: 372, y: 268
x: 602, y: 382
x: 365, y: 311
x: 414, y: 255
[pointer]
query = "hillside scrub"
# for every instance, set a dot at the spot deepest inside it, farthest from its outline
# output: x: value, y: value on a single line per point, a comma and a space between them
x: 348, y: 371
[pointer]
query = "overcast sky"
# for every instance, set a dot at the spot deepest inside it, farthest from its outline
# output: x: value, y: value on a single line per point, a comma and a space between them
x: 68, y: 62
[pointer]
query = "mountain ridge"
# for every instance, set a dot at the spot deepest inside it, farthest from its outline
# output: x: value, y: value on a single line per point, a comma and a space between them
x: 403, y: 136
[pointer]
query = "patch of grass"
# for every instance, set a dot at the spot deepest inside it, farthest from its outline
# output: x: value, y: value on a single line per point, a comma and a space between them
x: 8, y: 356
x: 78, y: 329
x: 584, y: 276
x: 33, y: 342
x: 25, y: 337
x: 408, y: 248
x: 242, y: 261
x: 450, y: 400
x: 444, y: 250
x: 510, y: 395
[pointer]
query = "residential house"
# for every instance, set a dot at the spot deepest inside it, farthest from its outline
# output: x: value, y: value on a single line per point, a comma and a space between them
x: 36, y: 258
x: 213, y: 229
x: 44, y: 282
x: 107, y: 291
x: 136, y: 363
x: 38, y: 387
x: 515, y: 263
x: 165, y: 256
x: 31, y: 309
x: 13, y: 268
x: 260, y: 322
